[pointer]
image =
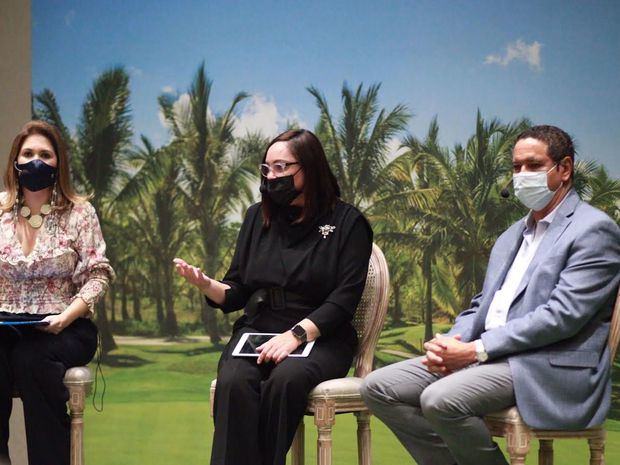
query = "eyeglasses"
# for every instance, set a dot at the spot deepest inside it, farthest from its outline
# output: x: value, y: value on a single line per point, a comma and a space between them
x: 278, y: 168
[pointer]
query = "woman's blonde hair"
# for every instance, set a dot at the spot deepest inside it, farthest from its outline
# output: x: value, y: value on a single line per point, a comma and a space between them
x: 65, y: 192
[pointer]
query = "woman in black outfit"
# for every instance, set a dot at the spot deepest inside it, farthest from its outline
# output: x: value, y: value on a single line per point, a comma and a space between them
x: 299, y: 270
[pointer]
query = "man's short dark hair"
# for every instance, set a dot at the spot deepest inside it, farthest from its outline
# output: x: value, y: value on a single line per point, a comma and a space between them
x: 559, y: 143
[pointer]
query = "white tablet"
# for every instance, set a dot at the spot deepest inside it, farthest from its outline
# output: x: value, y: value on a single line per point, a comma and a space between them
x: 246, y: 347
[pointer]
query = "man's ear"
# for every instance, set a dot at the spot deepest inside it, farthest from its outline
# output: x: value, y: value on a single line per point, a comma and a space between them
x: 567, y: 168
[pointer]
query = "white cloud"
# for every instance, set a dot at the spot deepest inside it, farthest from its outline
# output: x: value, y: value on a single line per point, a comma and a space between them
x: 294, y: 118
x: 134, y: 71
x: 69, y: 17
x: 181, y: 108
x: 261, y: 114
x: 518, y: 51
x: 394, y: 148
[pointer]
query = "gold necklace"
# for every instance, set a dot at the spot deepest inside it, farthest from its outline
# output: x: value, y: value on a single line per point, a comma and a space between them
x: 35, y: 220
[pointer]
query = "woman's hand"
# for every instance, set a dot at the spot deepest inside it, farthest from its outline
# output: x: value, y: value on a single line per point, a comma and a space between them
x: 193, y: 275
x: 277, y: 348
x: 55, y: 324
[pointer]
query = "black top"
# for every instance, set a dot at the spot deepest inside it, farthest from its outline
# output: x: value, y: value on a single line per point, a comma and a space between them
x: 326, y: 267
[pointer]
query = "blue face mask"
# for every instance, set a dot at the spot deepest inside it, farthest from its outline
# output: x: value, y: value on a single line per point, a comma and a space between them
x: 532, y: 190
x: 35, y: 175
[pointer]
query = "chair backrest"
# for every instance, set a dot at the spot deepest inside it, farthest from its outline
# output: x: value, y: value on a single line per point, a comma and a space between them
x: 370, y: 314
x: 614, y: 329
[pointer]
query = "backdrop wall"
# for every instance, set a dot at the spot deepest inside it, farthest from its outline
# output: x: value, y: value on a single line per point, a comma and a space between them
x: 15, y: 76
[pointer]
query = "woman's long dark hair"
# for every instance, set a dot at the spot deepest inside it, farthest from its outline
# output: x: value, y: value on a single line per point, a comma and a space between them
x: 320, y: 189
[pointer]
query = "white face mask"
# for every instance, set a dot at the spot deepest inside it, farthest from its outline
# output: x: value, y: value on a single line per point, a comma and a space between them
x: 532, y: 190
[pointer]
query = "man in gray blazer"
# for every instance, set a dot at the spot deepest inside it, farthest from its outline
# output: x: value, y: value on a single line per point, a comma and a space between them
x: 536, y: 334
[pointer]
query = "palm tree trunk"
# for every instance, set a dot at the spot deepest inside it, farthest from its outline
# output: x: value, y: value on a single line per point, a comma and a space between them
x: 113, y: 304
x: 124, y: 291
x: 428, y: 296
x: 210, y: 321
x: 156, y: 289
x: 397, y: 312
x: 135, y: 296
x: 193, y: 302
x: 211, y: 242
x: 105, y: 333
x: 171, y: 327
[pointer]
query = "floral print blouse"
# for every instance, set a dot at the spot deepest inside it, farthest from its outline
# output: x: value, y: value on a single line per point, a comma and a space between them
x: 68, y: 261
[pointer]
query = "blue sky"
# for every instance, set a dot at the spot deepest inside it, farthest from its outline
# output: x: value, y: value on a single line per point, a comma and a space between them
x: 556, y: 62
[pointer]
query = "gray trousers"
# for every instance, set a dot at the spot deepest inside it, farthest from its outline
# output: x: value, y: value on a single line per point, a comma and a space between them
x: 438, y: 418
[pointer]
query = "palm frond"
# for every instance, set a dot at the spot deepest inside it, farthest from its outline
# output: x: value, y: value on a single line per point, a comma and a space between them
x: 104, y: 130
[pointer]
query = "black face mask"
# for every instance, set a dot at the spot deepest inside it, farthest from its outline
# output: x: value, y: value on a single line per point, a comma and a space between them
x: 281, y: 190
x: 35, y: 175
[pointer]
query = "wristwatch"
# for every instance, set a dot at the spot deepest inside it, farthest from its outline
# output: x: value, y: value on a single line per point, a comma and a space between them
x: 481, y: 354
x: 300, y: 333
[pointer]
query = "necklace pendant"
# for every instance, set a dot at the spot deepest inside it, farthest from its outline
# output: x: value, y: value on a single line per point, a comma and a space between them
x: 35, y: 221
x: 24, y: 211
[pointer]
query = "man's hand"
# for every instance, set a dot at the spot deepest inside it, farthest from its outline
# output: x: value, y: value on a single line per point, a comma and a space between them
x: 445, y: 354
x: 277, y: 348
x: 434, y: 356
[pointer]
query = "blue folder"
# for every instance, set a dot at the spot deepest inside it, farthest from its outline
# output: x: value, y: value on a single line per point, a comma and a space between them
x: 8, y: 319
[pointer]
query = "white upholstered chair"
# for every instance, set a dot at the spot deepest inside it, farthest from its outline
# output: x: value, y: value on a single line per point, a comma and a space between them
x: 343, y: 395
x: 509, y: 424
x: 78, y: 381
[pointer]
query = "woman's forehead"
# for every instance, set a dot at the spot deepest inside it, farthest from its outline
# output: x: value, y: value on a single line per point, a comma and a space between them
x: 279, y: 152
x: 37, y: 142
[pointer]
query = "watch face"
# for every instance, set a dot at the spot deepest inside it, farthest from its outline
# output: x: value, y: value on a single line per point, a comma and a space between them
x: 299, y: 332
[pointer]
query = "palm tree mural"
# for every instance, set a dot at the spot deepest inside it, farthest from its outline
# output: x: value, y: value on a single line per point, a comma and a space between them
x: 411, y: 189
x: 103, y: 135
x: 470, y: 213
x: 156, y: 211
x: 357, y: 145
x: 450, y: 200
x: 435, y: 210
x: 216, y: 173
x: 594, y: 185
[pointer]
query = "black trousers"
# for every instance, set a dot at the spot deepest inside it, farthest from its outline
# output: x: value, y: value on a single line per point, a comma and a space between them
x: 36, y: 363
x: 258, y: 407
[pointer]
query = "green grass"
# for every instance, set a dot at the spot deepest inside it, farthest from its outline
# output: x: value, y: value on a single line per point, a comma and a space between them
x: 156, y: 411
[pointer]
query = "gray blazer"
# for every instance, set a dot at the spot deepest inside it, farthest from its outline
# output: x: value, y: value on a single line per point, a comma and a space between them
x: 555, y: 338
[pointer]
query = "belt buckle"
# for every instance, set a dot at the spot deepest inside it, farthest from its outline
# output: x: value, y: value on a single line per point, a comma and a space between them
x: 277, y: 299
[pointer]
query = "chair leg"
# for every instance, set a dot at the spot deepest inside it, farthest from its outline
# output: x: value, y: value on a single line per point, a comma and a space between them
x: 597, y: 450
x: 77, y: 397
x: 324, y: 419
x: 363, y: 437
x: 518, y: 444
x: 545, y: 452
x: 211, y: 400
x: 297, y: 448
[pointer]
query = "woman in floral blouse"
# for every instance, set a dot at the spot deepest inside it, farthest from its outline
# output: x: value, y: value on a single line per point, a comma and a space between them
x: 52, y: 266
